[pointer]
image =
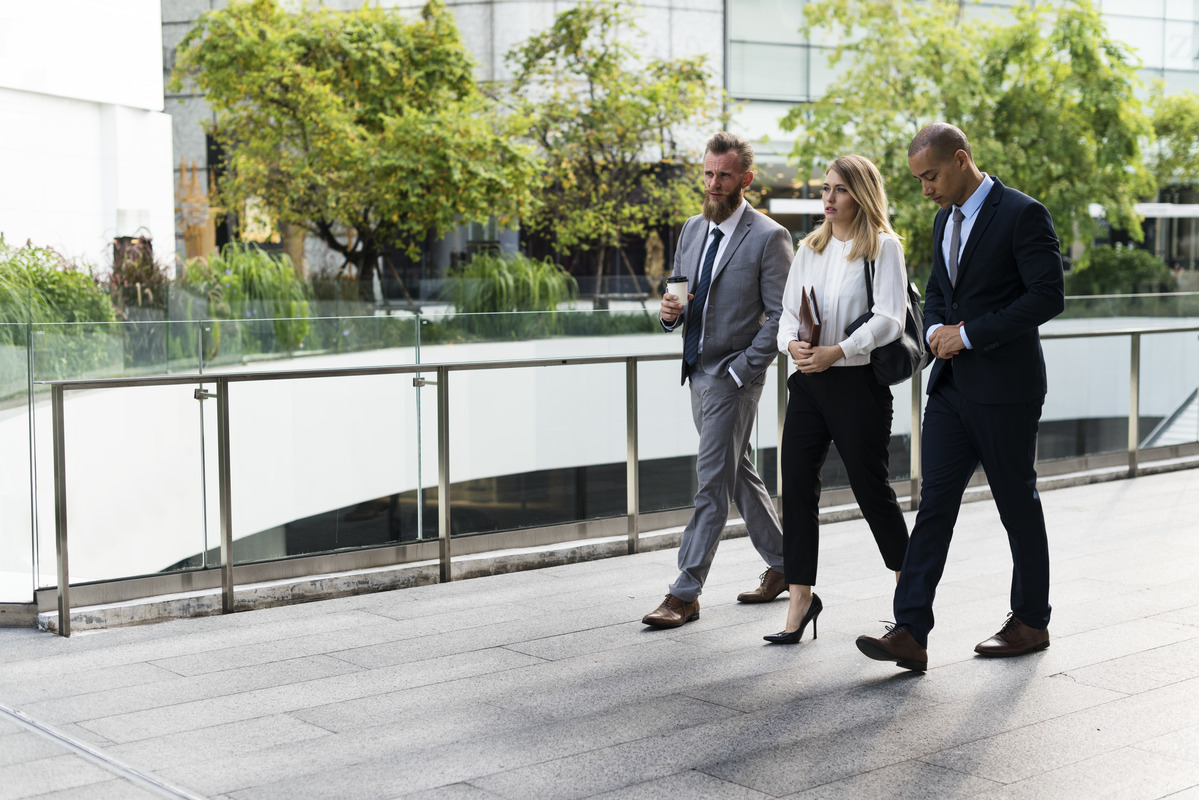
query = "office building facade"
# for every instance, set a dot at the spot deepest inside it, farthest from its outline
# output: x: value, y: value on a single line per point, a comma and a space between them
x: 756, y: 52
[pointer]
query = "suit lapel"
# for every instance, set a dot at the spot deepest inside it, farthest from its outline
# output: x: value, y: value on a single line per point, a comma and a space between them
x: 940, y: 270
x: 694, y: 249
x: 985, y: 214
x: 735, y: 240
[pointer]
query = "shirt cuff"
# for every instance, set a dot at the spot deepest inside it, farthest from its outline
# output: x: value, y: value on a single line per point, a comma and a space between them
x: 928, y: 334
x: 736, y: 380
x: 965, y: 338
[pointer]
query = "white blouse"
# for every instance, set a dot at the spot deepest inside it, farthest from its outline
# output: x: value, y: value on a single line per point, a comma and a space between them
x: 841, y: 295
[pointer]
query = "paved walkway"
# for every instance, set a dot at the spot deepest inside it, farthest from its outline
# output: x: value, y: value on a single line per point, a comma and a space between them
x: 544, y: 684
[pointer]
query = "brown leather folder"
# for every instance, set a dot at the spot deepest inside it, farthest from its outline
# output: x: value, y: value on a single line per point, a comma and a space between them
x: 809, y: 318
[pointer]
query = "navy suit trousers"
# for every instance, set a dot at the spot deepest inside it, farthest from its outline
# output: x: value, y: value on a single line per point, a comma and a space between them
x: 958, y: 436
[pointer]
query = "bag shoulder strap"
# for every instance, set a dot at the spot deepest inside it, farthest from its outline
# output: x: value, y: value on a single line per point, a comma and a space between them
x: 869, y: 285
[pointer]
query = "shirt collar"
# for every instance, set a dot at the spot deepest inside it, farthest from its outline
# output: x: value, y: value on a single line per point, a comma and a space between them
x: 975, y: 201
x: 730, y: 225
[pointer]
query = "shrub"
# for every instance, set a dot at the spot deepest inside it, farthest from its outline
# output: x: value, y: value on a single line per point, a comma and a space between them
x: 39, y: 287
x: 139, y: 287
x: 491, y: 286
x: 492, y: 282
x: 264, y: 300
x: 1118, y: 270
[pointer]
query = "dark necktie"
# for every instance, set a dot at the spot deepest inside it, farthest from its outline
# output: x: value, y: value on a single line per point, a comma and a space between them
x: 955, y: 244
x: 695, y: 314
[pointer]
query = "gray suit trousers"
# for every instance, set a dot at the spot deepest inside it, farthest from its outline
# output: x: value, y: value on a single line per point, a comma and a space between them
x: 724, y: 416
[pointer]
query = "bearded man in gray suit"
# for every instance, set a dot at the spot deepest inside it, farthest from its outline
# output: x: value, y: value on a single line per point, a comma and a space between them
x: 736, y: 262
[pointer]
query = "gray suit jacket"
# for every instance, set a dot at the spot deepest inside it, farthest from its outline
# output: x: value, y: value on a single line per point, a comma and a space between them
x: 745, y: 297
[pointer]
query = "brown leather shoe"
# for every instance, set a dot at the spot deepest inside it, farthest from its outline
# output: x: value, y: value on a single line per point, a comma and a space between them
x: 672, y: 613
x: 896, y: 645
x: 773, y: 584
x: 1014, y: 639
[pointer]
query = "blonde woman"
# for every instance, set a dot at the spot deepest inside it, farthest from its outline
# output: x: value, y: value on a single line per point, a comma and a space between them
x: 833, y: 395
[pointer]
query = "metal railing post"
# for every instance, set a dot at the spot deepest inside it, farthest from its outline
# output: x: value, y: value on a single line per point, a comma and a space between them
x: 60, y: 512
x: 225, y: 489
x: 632, y: 467
x: 914, y: 440
x: 1134, y: 404
x: 443, y: 471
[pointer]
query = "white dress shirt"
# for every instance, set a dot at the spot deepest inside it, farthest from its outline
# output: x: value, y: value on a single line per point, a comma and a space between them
x: 841, y: 295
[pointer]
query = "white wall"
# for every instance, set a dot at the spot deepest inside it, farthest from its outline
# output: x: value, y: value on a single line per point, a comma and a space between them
x: 83, y: 136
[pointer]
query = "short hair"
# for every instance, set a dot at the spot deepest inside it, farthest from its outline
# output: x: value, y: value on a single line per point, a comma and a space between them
x: 942, y: 138
x: 725, y: 142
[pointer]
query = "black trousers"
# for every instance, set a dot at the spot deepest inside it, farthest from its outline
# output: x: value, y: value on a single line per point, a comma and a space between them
x: 958, y: 435
x: 848, y: 406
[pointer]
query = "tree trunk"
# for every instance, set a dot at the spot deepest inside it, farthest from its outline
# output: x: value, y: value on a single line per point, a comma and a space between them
x: 367, y: 263
x: 391, y: 268
x: 628, y: 265
x: 601, y: 256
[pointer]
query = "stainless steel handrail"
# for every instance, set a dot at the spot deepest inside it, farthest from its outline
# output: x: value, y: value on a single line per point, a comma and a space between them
x: 223, y: 381
x: 442, y: 371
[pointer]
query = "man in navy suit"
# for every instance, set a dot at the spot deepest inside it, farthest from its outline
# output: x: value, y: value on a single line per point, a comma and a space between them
x: 997, y: 276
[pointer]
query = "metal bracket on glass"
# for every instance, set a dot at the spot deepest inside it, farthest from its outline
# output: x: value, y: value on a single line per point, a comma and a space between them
x: 419, y: 382
x: 203, y: 395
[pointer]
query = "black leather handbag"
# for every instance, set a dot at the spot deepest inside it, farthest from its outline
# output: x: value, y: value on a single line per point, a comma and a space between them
x: 899, y: 360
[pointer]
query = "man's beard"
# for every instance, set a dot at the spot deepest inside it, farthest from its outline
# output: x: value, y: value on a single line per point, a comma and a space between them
x: 719, y: 210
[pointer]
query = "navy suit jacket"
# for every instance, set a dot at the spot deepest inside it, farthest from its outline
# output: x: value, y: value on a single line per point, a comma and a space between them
x: 1009, y: 282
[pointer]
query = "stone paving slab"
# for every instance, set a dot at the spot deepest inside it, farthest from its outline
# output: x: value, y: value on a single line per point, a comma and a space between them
x: 544, y: 684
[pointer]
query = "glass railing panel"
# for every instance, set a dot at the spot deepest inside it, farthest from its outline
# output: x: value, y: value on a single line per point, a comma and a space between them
x: 1086, y: 407
x: 1139, y: 310
x: 16, y: 507
x: 666, y: 437
x: 536, y: 446
x: 135, y: 491
x: 1169, y: 394
x: 764, y: 435
x: 310, y: 342
x: 632, y: 328
x: 900, y: 448
x: 74, y: 351
x: 323, y: 464
x: 90, y: 350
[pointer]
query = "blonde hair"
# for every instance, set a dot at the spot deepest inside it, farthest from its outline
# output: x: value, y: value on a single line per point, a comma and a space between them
x: 865, y: 185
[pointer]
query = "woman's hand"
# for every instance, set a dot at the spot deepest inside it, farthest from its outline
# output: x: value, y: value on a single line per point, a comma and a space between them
x: 810, y: 360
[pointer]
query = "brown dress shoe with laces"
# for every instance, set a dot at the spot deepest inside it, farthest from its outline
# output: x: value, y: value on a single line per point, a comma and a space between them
x: 773, y: 584
x: 896, y: 645
x: 672, y: 613
x: 1014, y: 639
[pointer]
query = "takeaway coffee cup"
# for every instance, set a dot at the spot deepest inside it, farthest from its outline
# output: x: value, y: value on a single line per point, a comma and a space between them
x: 677, y: 285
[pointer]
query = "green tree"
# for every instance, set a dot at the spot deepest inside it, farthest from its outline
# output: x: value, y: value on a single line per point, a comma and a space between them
x: 611, y: 127
x: 1047, y: 98
x: 1175, y: 155
x: 363, y: 127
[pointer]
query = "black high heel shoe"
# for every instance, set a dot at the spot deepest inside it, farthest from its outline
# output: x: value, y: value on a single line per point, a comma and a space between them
x: 793, y: 637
